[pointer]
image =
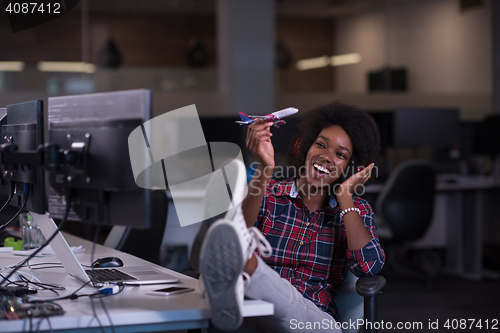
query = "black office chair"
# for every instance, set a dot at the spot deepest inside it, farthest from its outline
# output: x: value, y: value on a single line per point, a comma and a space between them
x: 146, y: 243
x: 404, y: 212
x: 357, y: 299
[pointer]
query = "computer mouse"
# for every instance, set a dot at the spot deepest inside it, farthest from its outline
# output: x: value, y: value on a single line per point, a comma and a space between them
x: 107, y: 262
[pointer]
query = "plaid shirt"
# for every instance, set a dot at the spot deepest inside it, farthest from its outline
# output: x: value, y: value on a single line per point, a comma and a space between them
x: 310, y: 249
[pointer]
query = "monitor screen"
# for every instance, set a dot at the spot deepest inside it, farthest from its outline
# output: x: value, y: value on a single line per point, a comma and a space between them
x: 491, y: 135
x: 283, y: 135
x: 97, y: 127
x: 417, y: 127
x: 383, y: 119
x: 22, y: 126
x: 225, y: 129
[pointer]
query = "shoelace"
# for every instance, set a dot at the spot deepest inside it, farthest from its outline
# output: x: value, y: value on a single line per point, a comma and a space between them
x: 260, y: 242
x: 246, y: 278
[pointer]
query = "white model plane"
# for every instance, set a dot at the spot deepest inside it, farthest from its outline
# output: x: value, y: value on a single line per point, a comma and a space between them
x: 275, y: 117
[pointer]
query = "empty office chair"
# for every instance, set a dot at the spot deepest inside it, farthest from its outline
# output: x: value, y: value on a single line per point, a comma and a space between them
x: 404, y: 209
x: 146, y: 243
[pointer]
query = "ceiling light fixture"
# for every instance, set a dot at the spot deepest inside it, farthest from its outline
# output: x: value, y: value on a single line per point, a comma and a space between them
x: 11, y: 66
x: 324, y: 61
x: 312, y: 63
x: 65, y: 66
x: 345, y: 59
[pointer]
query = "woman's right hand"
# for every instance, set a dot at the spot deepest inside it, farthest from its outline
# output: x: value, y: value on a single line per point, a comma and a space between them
x: 259, y: 143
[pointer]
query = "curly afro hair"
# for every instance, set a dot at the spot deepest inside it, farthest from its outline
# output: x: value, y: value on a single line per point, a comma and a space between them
x: 359, y: 125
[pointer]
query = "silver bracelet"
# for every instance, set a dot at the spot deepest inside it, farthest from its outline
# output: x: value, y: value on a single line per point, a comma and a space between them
x: 347, y: 210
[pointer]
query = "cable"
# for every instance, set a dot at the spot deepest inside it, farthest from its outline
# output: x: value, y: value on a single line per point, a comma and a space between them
x: 50, y: 324
x: 43, y: 286
x: 63, y: 221
x: 95, y: 315
x: 107, y: 314
x: 99, y: 222
x: 73, y: 295
x: 50, y: 265
x: 26, y: 195
x: 100, y: 219
x: 28, y: 280
x: 30, y: 316
x: 96, y: 235
x: 47, y: 267
x: 11, y: 195
x: 102, y: 204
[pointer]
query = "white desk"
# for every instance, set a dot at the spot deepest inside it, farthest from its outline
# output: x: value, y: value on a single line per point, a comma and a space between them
x: 130, y: 311
x: 468, y: 213
x: 461, y: 213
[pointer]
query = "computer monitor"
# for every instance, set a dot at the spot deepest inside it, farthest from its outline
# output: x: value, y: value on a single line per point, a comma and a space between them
x: 3, y: 118
x: 224, y: 129
x: 433, y: 127
x: 4, y: 186
x: 96, y: 128
x: 283, y: 135
x: 383, y: 119
x: 491, y: 135
x: 22, y: 126
x: 9, y: 211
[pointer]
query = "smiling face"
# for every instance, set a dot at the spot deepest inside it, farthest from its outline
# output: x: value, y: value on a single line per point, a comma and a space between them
x: 327, y: 157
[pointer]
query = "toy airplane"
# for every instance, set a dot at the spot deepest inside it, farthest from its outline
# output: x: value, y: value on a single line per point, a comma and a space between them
x: 275, y: 117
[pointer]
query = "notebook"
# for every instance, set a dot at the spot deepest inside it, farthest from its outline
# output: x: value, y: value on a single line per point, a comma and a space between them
x: 138, y: 275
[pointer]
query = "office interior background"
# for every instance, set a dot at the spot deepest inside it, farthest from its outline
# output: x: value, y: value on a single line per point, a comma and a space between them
x: 248, y: 56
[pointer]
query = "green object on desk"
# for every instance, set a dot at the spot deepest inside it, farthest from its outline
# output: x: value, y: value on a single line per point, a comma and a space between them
x: 16, y: 245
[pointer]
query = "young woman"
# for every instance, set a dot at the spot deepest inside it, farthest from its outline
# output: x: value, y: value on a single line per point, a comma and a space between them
x: 317, y: 227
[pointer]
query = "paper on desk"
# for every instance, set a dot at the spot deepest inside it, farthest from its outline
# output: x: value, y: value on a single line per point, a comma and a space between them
x: 48, y: 252
x: 7, y: 249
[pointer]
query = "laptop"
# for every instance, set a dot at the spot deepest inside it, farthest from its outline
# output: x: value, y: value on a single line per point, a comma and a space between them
x: 128, y: 275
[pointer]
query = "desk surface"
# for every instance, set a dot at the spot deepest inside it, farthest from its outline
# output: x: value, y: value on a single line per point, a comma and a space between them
x: 130, y: 311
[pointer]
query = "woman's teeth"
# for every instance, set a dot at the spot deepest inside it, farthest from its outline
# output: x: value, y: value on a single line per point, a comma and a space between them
x: 321, y: 169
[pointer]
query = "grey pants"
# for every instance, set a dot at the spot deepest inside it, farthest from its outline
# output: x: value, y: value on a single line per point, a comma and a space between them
x: 292, y: 311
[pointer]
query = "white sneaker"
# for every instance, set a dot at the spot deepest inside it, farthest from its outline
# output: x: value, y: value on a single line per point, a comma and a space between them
x: 221, y: 263
x: 227, y: 246
x: 224, y: 253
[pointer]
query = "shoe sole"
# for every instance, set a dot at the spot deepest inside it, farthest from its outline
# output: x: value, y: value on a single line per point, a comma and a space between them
x: 221, y: 266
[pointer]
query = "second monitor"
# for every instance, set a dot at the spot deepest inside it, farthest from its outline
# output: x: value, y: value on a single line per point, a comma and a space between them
x: 93, y: 130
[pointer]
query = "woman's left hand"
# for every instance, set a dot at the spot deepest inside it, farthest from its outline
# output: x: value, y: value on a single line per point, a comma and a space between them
x: 355, y: 183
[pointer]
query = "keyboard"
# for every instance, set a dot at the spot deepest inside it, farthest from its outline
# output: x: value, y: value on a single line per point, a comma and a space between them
x: 108, y: 275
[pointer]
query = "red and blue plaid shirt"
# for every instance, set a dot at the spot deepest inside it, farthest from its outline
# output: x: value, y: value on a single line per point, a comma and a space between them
x: 310, y: 248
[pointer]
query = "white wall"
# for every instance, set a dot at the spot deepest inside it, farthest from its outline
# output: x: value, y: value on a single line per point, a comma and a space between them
x: 446, y: 51
x: 448, y: 54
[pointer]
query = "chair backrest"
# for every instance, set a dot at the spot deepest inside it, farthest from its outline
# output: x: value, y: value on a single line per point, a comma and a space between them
x: 406, y: 203
x: 146, y: 243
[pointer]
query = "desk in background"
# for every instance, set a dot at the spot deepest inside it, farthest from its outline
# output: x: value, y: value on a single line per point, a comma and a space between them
x: 462, y: 211
x: 130, y: 311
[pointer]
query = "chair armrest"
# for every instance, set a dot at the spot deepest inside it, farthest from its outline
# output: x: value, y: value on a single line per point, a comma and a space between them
x: 368, y: 286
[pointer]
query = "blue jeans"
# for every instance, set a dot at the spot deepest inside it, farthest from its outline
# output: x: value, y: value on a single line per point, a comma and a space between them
x: 292, y: 311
